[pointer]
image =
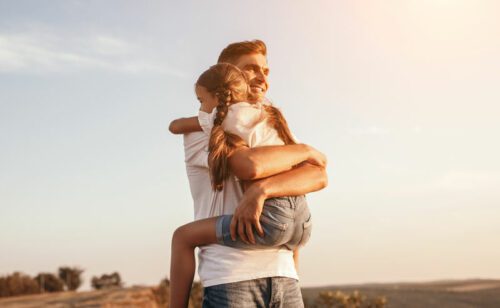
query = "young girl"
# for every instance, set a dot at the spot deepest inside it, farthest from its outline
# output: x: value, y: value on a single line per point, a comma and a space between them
x: 236, y: 122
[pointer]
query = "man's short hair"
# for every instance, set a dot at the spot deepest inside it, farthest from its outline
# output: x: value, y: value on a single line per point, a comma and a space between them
x: 233, y: 51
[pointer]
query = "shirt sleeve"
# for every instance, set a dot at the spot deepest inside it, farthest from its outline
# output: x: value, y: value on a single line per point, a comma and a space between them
x: 201, y: 159
x: 245, y: 120
x: 206, y: 121
x: 196, y: 149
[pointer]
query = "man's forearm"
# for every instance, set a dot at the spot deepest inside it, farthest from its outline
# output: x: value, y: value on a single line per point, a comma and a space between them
x: 301, y: 180
x: 261, y: 162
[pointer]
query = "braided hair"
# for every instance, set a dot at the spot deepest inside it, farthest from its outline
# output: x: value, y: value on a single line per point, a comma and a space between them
x: 278, y: 122
x: 229, y: 85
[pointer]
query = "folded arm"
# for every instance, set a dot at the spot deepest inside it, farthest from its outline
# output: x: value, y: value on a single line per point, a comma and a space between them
x: 260, y: 162
x: 303, y: 179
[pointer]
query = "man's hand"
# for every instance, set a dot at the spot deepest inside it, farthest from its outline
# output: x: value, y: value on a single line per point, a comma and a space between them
x: 247, y: 214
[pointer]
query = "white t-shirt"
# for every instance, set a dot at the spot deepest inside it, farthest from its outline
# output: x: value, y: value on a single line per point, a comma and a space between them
x: 249, y: 121
x: 220, y: 264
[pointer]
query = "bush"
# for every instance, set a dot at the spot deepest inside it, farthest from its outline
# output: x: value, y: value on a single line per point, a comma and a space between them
x: 18, y: 284
x: 338, y: 299
x: 49, y: 282
x: 196, y: 296
x: 71, y: 277
x: 107, y: 281
x: 162, y: 294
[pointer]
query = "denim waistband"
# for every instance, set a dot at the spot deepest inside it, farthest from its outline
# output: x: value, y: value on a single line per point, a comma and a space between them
x: 292, y: 202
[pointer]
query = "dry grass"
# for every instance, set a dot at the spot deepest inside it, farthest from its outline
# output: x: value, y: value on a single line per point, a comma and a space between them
x: 452, y: 294
x: 140, y: 297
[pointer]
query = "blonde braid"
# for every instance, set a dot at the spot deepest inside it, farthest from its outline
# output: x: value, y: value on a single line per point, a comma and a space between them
x: 224, y: 96
x: 229, y: 85
x: 221, y: 143
x: 278, y: 122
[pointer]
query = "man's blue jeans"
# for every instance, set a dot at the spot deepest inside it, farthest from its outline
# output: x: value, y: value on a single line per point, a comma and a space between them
x: 272, y: 292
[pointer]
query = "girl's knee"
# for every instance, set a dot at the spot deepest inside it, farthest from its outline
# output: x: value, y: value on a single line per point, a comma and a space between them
x: 181, y: 237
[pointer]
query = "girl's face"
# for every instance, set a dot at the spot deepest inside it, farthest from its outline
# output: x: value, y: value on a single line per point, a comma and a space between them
x: 208, y: 100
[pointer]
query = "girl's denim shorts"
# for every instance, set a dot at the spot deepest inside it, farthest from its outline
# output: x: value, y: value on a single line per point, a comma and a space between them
x: 286, y: 221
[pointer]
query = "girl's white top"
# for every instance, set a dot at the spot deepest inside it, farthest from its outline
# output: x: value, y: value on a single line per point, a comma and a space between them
x: 249, y: 121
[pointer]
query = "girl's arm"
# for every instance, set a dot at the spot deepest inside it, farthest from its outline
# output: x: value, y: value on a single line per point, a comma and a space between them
x: 184, y: 126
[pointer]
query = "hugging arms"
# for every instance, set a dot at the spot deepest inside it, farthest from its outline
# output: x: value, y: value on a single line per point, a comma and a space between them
x: 267, y: 172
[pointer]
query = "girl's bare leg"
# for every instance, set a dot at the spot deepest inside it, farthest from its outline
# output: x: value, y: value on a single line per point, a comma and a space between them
x: 182, y: 263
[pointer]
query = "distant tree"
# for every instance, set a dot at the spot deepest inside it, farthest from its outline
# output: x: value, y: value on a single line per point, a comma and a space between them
x: 196, y: 295
x: 107, y: 281
x: 18, y: 284
x: 49, y: 282
x: 162, y: 292
x: 3, y: 287
x: 71, y: 277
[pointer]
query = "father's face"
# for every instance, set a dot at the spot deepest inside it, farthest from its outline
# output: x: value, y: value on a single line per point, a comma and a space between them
x: 255, y: 68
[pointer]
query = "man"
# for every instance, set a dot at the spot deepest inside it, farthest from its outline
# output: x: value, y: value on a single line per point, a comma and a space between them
x: 249, y: 278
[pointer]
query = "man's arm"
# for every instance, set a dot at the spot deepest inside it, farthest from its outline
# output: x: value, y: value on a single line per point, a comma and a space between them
x: 303, y: 179
x: 184, y: 126
x: 260, y: 162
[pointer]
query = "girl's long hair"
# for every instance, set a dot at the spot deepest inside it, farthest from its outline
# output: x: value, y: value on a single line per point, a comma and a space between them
x: 229, y: 85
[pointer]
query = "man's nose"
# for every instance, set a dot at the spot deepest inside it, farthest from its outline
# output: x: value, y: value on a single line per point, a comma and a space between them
x: 261, y: 76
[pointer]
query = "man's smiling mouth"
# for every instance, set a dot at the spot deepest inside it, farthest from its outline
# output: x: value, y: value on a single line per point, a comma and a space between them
x: 259, y: 89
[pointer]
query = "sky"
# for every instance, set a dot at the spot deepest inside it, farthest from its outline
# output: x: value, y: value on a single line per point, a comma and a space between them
x: 402, y: 96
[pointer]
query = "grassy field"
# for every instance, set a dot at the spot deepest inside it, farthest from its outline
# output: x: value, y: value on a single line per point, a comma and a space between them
x: 141, y: 297
x: 441, y: 294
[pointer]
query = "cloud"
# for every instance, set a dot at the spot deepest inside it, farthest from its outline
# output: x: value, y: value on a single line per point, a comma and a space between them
x: 467, y: 181
x: 370, y: 131
x: 417, y: 129
x: 50, y: 53
x: 375, y: 130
